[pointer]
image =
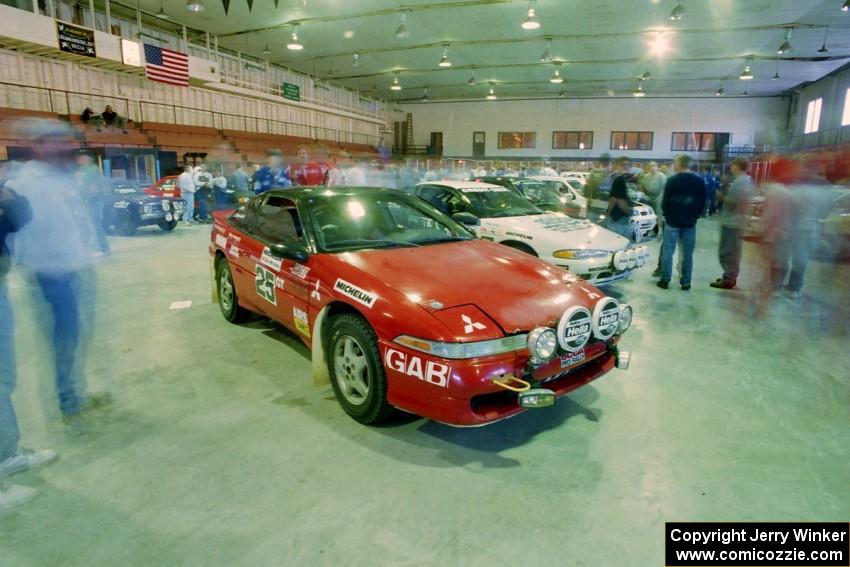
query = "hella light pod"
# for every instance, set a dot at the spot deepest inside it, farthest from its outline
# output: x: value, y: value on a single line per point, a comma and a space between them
x: 631, y: 257
x: 575, y: 328
x: 606, y: 318
x: 621, y: 260
x: 542, y: 344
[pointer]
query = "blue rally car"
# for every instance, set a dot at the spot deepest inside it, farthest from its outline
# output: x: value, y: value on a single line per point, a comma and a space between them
x: 127, y: 208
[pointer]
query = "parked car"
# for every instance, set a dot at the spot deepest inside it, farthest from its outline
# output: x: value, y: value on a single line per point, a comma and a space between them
x: 834, y: 232
x: 127, y: 208
x: 403, y: 308
x: 543, y: 195
x: 168, y: 187
x: 497, y: 213
x: 569, y: 188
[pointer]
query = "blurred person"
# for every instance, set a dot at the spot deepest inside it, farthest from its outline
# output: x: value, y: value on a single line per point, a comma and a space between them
x: 712, y: 184
x: 733, y: 218
x: 186, y: 182
x: 203, y: 188
x: 239, y: 179
x: 548, y: 171
x: 355, y: 176
x: 15, y: 212
x: 334, y: 176
x: 89, y: 117
x: 619, y: 213
x: 775, y: 244
x: 305, y: 172
x: 219, y: 183
x: 682, y: 203
x: 93, y: 191
x: 112, y: 118
x: 272, y: 174
x: 652, y: 184
x: 53, y: 248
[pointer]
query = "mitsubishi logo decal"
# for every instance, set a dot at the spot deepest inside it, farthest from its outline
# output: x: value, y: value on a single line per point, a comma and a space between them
x: 315, y: 293
x: 471, y: 326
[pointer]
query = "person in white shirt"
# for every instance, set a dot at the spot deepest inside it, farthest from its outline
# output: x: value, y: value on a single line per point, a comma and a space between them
x: 186, y: 182
x: 548, y: 171
x: 355, y: 176
x: 334, y: 176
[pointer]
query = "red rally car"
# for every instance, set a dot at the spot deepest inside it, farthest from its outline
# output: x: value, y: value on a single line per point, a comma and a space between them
x: 403, y: 308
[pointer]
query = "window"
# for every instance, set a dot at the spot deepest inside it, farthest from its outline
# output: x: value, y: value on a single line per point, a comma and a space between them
x: 278, y: 221
x: 813, y: 116
x: 631, y: 140
x: 845, y: 119
x: 694, y: 141
x: 517, y: 140
x: 572, y: 140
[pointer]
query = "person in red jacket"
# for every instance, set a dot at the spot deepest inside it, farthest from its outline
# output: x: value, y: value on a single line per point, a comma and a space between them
x: 306, y: 172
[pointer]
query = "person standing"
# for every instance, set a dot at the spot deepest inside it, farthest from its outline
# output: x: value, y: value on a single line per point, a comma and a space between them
x: 186, y: 182
x: 334, y: 176
x: 239, y: 179
x: 203, y: 187
x: 272, y: 174
x: 112, y: 118
x: 618, y: 216
x: 220, y: 192
x: 92, y: 188
x: 306, y: 172
x: 733, y: 217
x: 682, y: 204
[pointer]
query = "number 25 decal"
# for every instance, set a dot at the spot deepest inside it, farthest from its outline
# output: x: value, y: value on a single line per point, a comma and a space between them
x: 265, y: 285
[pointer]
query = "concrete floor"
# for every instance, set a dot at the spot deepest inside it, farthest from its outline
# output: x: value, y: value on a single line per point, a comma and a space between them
x: 220, y: 451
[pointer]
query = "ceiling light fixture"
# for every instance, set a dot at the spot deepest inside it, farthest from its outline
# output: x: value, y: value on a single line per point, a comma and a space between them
x: 823, y: 48
x: 401, y: 31
x: 471, y: 81
x: 530, y: 22
x: 396, y: 86
x: 720, y: 91
x: 492, y: 94
x: 195, y: 5
x: 556, y: 78
x: 294, y: 44
x: 425, y: 96
x: 639, y: 91
x: 562, y: 94
x: 776, y: 75
x: 646, y: 76
x: 659, y: 45
x: 846, y: 6
x: 786, y: 45
x: 266, y: 50
x: 547, y: 54
x: 444, y: 60
x: 161, y: 14
x: 355, y: 60
x: 747, y: 75
x: 678, y: 12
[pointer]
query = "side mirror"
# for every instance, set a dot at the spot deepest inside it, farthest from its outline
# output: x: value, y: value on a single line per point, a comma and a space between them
x: 290, y: 251
x: 466, y: 219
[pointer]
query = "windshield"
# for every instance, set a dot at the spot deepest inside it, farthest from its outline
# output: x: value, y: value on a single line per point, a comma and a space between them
x: 492, y: 202
x: 379, y: 220
x: 124, y: 189
x: 540, y: 193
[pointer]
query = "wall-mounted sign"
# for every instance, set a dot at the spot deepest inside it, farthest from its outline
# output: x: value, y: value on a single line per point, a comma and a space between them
x: 131, y: 53
x: 291, y: 92
x: 76, y: 40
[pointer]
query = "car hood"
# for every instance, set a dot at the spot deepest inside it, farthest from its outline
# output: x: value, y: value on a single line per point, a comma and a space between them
x: 556, y: 231
x: 515, y: 290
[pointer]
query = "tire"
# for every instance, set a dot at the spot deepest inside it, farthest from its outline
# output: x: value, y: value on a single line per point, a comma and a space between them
x: 125, y: 225
x: 168, y: 226
x: 228, y: 301
x: 521, y: 247
x: 352, y: 354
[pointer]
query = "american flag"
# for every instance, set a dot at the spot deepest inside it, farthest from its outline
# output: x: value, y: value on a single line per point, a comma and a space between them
x: 167, y: 66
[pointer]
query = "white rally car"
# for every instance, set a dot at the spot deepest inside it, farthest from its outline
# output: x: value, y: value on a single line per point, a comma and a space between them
x: 500, y: 214
x: 567, y: 189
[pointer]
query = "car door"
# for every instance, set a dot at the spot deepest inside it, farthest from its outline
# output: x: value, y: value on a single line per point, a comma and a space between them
x: 238, y: 243
x: 281, y: 285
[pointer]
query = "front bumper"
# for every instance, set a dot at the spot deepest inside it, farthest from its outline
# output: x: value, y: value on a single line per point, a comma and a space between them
x: 471, y: 397
x: 598, y: 271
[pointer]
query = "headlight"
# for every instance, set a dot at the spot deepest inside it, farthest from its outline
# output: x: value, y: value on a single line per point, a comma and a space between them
x: 625, y: 318
x: 631, y: 256
x: 621, y: 260
x: 166, y: 205
x: 147, y: 209
x: 640, y: 256
x: 459, y: 351
x: 542, y: 344
x: 178, y: 205
x: 580, y: 254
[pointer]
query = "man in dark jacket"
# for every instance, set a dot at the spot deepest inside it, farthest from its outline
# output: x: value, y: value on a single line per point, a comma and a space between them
x: 15, y: 212
x: 683, y: 202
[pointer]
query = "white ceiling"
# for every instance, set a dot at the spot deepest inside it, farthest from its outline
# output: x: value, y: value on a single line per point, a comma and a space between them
x: 602, y: 43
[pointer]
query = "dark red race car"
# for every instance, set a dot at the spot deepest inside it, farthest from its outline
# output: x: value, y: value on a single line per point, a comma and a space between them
x: 402, y: 307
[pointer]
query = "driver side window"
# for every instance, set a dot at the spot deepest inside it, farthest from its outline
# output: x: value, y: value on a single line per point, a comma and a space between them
x: 278, y: 221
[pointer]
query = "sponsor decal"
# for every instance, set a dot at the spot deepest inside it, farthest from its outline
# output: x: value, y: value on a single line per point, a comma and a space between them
x: 358, y: 294
x: 264, y: 284
x: 470, y: 326
x: 278, y: 282
x: 300, y: 271
x: 598, y: 269
x: 235, y: 238
x: 574, y: 329
x: 518, y: 235
x: 485, y: 190
x: 606, y: 318
x: 315, y: 293
x: 302, y: 323
x: 218, y: 228
x: 572, y: 358
x: 559, y: 223
x: 221, y: 240
x: 269, y: 260
x: 234, y: 251
x: 413, y: 366
x: 121, y: 204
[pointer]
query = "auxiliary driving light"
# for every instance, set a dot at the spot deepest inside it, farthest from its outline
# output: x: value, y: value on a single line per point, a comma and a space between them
x: 542, y: 344
x: 632, y: 255
x: 641, y: 256
x: 621, y: 260
x: 626, y: 316
x: 537, y: 398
